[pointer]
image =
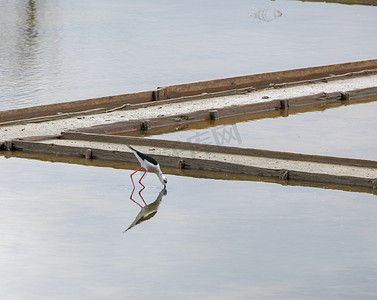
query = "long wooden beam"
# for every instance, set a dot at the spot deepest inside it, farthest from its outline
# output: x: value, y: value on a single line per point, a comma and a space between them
x: 264, y: 79
x: 187, y: 172
x: 254, y: 81
x: 194, y: 164
x: 184, y: 155
x: 128, y: 140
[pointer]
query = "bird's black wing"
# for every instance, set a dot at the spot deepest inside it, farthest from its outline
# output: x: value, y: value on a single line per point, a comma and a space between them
x: 145, y: 157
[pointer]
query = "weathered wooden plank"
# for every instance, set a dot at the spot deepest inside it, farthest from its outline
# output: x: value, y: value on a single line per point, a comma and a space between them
x: 335, y: 179
x: 208, y: 87
x: 193, y: 163
x: 266, y: 79
x: 58, y: 109
x: 217, y: 149
x: 189, y: 172
x: 363, y: 93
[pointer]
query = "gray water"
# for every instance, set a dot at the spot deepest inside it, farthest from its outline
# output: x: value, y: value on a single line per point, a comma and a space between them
x: 62, y: 225
x: 53, y: 51
x: 62, y: 238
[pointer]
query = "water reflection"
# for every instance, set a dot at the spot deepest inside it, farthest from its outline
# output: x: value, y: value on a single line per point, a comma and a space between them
x: 307, y: 244
x: 26, y: 42
x: 148, y: 210
x: 31, y: 30
x: 30, y: 51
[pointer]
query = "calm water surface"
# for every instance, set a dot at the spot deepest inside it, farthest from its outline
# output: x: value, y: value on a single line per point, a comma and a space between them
x: 62, y: 238
x: 346, y: 131
x: 62, y: 225
x: 53, y: 51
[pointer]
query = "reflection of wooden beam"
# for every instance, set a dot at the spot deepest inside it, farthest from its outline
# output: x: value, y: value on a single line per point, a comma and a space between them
x: 357, y: 2
x: 217, y: 86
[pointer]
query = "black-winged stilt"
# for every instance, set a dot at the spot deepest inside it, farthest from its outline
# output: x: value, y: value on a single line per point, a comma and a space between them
x: 149, y: 164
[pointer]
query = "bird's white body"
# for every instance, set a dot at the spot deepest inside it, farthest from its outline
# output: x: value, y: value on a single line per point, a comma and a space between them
x: 150, y: 165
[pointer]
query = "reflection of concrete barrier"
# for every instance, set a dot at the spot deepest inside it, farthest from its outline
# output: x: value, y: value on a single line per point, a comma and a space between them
x: 225, y: 85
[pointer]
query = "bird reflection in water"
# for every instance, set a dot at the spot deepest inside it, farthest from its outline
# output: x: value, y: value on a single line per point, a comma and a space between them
x: 147, y: 210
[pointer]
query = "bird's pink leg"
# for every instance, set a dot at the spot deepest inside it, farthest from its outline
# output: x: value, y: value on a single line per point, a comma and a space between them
x: 133, y: 199
x: 142, y: 196
x: 142, y: 178
x: 142, y: 188
x: 132, y: 175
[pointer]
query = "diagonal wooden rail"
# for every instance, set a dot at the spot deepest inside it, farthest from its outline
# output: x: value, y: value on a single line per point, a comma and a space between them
x: 182, y: 155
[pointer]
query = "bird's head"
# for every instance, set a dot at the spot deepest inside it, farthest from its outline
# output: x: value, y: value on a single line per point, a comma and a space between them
x: 163, y: 179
